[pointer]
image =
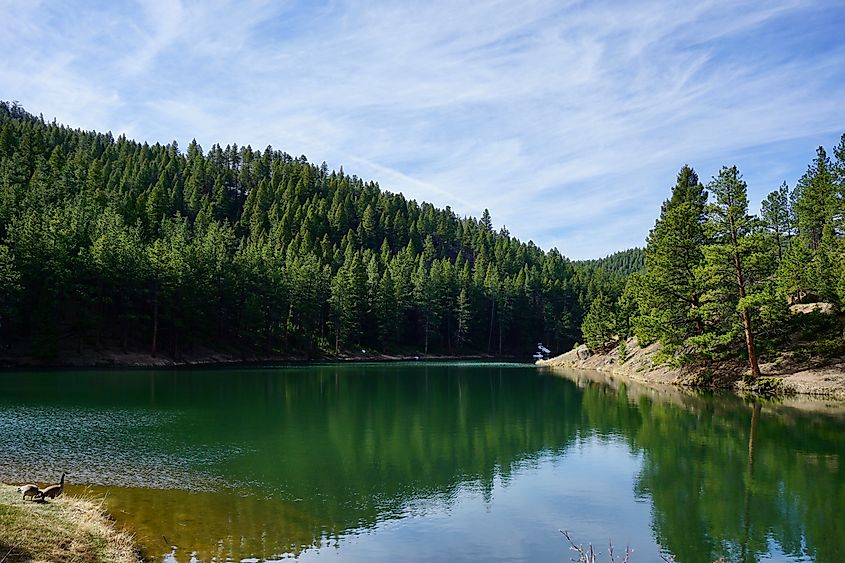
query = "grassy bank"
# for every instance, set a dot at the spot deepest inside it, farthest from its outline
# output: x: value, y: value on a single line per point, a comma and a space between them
x: 64, y: 529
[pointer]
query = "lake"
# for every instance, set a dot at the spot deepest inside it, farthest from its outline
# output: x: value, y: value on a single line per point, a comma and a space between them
x: 425, y: 461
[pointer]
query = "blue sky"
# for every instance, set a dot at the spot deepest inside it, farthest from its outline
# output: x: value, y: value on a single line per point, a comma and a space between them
x: 568, y: 120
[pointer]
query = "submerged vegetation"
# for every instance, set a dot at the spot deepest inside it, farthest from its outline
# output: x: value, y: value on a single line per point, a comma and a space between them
x: 110, y: 243
x: 721, y: 284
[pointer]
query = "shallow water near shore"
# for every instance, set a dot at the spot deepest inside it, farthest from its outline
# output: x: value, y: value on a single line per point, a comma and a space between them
x: 417, y: 461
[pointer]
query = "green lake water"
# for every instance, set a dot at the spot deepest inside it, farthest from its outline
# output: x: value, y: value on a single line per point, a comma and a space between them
x: 435, y: 462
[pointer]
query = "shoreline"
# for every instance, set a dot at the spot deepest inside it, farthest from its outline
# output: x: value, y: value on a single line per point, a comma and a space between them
x: 108, y: 359
x: 784, y: 376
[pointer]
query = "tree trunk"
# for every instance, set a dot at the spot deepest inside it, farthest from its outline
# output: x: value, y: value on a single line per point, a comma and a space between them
x: 500, y: 339
x: 749, y: 341
x: 746, y: 318
x: 125, y: 335
x: 220, y: 311
x: 155, y: 320
x: 490, y: 335
x: 268, y: 327
x: 239, y: 324
x: 287, y: 325
x: 699, y: 325
x: 101, y: 320
x: 449, y: 334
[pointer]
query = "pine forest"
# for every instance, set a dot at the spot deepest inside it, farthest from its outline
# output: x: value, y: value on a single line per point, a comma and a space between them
x: 113, y: 244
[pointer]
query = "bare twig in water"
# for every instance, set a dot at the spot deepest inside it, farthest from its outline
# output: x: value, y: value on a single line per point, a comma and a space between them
x: 589, y: 554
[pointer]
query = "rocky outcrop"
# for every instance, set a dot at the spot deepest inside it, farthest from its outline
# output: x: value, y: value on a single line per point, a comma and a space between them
x: 583, y: 352
x: 806, y: 308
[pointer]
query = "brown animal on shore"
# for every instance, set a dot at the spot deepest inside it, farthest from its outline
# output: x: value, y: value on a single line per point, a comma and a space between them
x: 29, y: 491
x: 54, y: 490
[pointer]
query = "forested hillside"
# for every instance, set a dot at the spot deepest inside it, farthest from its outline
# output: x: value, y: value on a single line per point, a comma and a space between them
x: 622, y: 263
x: 113, y: 244
x: 721, y: 283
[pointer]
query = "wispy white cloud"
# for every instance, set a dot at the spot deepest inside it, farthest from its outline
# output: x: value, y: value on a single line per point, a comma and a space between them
x: 567, y: 119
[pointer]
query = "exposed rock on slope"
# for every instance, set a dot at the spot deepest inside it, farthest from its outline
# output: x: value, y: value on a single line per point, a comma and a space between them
x: 638, y: 363
x: 813, y: 378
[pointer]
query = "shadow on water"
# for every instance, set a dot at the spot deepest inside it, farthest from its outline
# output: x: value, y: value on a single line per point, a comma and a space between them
x: 266, y: 462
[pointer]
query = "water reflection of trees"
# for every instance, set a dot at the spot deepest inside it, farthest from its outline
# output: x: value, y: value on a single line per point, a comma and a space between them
x: 358, y: 447
x: 313, y: 453
x: 341, y: 448
x: 730, y: 478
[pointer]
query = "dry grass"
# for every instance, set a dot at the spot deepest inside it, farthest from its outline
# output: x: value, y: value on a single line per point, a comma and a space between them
x: 68, y: 528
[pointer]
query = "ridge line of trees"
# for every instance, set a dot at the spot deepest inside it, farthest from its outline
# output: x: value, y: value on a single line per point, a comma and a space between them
x: 107, y: 243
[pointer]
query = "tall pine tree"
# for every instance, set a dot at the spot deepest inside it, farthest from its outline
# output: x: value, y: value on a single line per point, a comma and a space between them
x: 670, y: 295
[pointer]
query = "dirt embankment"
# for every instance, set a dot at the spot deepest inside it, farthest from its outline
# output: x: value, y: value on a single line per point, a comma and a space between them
x: 67, y: 528
x: 822, y: 378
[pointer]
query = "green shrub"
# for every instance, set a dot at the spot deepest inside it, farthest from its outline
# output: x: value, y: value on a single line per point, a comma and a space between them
x: 765, y: 386
x: 701, y: 379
